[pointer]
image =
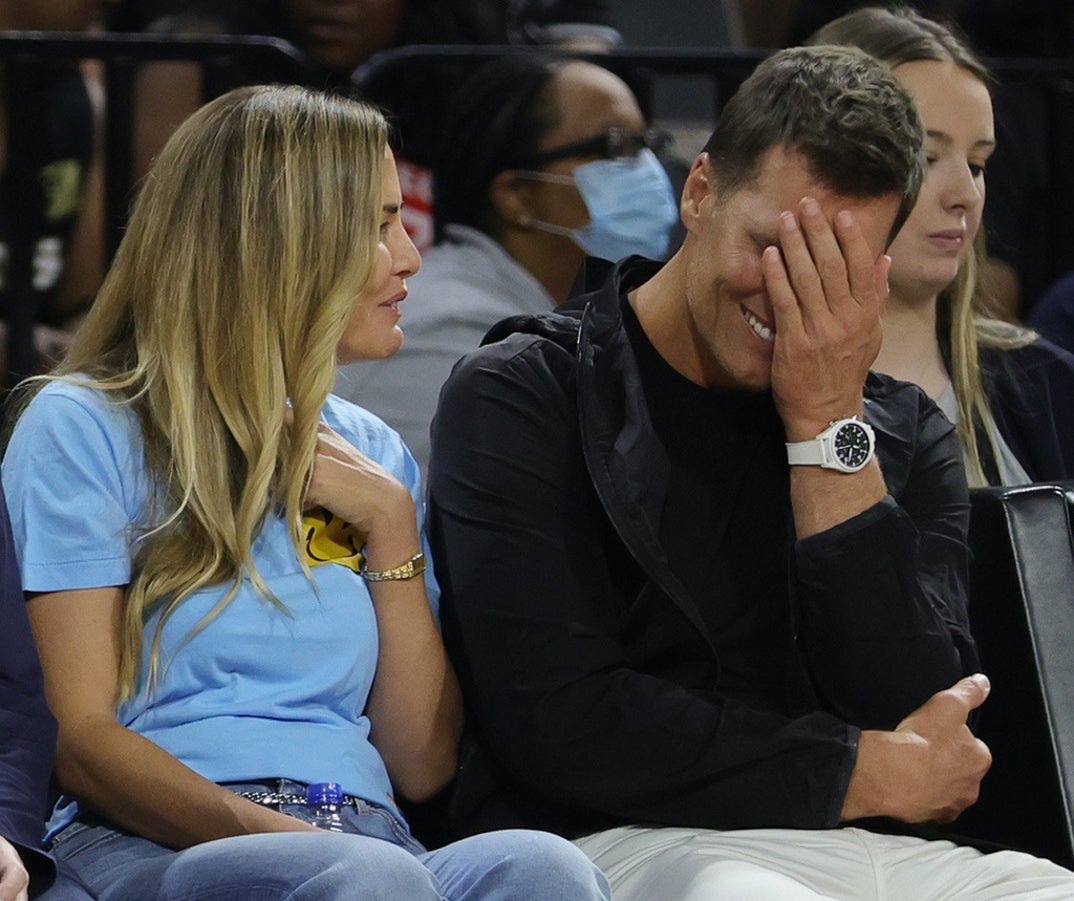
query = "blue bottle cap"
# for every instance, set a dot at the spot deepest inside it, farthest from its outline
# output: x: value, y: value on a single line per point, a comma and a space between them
x: 320, y: 793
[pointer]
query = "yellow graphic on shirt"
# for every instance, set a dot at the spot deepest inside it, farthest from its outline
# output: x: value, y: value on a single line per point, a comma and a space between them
x: 328, y: 539
x: 62, y: 184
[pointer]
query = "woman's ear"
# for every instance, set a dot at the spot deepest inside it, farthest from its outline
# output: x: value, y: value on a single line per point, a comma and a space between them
x: 510, y: 198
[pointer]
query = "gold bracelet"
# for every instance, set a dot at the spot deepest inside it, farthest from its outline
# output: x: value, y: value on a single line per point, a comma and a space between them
x: 415, y: 566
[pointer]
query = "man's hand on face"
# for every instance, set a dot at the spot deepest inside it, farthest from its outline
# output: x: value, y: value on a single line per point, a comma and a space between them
x: 827, y: 293
x: 929, y: 769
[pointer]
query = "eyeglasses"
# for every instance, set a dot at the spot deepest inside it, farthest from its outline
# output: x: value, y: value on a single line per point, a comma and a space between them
x: 615, y: 143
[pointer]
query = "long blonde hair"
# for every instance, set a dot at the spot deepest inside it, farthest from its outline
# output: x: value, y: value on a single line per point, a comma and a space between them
x: 218, y: 323
x: 966, y: 319
x: 965, y: 323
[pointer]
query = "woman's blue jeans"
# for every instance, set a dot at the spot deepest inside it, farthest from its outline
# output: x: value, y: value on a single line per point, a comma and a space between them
x: 375, y: 858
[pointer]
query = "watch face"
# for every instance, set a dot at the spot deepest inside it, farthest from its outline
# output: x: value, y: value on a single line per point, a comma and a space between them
x: 851, y: 445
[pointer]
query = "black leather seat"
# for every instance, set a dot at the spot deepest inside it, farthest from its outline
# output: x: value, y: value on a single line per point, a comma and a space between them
x: 1022, y: 615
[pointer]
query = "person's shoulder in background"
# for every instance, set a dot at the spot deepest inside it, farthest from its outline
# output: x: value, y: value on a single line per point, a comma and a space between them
x: 27, y: 729
x: 1053, y: 314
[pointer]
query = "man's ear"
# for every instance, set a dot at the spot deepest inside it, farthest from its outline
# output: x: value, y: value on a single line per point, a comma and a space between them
x: 698, y: 193
x: 509, y: 197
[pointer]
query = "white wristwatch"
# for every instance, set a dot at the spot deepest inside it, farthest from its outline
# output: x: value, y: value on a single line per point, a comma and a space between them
x: 847, y: 445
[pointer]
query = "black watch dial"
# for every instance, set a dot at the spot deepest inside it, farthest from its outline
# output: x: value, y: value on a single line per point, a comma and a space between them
x: 851, y: 445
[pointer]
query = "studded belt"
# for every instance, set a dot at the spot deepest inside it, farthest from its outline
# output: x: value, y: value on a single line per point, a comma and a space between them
x: 272, y: 799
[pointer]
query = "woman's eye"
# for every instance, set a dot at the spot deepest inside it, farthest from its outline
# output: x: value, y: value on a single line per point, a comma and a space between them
x: 977, y: 170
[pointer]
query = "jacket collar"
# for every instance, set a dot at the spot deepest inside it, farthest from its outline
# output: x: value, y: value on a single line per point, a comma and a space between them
x: 627, y: 464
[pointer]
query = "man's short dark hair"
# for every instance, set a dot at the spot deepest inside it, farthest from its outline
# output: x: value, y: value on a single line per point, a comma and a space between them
x: 837, y: 107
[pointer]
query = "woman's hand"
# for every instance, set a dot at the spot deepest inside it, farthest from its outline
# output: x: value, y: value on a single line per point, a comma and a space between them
x: 363, y: 493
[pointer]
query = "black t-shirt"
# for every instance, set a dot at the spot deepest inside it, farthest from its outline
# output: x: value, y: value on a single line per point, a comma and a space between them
x: 729, y: 510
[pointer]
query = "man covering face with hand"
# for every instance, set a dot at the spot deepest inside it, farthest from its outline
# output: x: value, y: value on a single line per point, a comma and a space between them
x: 706, y: 574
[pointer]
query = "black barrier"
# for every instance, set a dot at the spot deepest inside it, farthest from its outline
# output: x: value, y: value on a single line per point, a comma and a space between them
x: 643, y: 69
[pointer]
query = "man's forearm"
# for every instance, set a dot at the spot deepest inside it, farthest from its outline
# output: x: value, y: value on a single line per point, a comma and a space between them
x: 823, y: 498
x: 873, y: 625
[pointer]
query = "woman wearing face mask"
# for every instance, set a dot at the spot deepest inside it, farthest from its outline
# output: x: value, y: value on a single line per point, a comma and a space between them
x: 1010, y: 392
x: 542, y: 162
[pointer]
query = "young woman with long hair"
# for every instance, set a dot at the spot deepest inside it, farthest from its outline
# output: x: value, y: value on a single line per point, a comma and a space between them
x: 1010, y: 392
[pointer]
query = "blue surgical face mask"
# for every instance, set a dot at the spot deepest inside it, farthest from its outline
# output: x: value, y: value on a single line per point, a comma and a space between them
x: 630, y: 202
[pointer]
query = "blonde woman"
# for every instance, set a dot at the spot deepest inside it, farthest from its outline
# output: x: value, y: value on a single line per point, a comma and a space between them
x: 1010, y: 392
x: 225, y: 565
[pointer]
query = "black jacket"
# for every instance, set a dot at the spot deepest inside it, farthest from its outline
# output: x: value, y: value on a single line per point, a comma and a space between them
x: 590, y: 677
x: 1030, y: 392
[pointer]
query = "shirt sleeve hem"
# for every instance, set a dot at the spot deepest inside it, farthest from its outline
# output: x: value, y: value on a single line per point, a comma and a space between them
x: 842, y: 784
x: 75, y: 574
x: 820, y: 542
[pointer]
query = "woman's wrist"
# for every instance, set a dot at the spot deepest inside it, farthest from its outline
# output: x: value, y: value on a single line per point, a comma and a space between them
x: 391, y: 544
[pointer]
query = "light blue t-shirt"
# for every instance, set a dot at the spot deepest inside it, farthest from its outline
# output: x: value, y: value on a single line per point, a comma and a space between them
x: 259, y: 693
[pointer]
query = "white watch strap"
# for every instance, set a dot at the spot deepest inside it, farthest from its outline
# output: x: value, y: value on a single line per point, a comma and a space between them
x: 806, y: 453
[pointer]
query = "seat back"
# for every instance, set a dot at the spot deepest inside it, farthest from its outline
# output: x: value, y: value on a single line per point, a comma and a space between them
x: 1022, y: 615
